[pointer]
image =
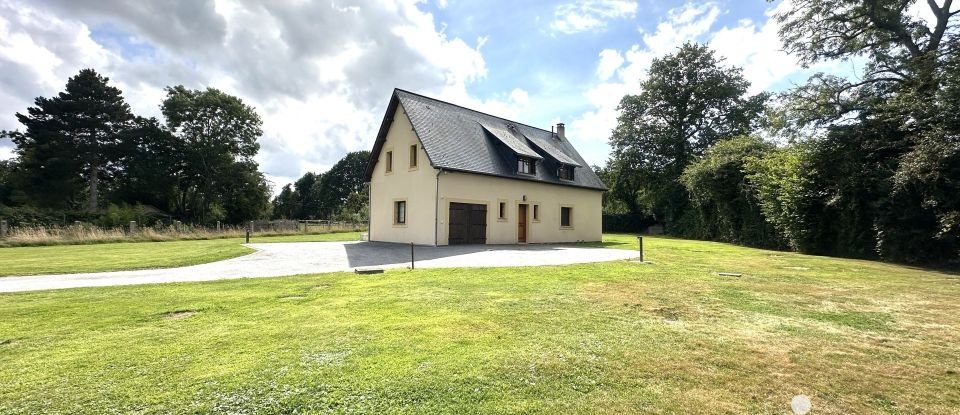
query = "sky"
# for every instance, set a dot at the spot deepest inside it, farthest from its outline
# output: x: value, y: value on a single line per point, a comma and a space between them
x: 320, y: 73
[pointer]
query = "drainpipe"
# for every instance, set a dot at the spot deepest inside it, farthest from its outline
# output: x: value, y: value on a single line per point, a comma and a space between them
x: 436, y: 212
x: 369, y: 209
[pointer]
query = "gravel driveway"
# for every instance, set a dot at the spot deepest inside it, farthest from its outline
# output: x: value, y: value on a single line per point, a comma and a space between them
x: 277, y: 259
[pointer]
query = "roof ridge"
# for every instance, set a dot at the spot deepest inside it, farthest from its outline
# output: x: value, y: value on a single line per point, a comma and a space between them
x: 471, y: 109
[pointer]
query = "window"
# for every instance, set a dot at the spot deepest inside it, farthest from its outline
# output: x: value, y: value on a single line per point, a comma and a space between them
x: 413, y: 156
x: 565, y: 215
x: 503, y: 210
x: 526, y: 165
x: 400, y: 212
x: 566, y: 172
x: 536, y: 212
x: 389, y: 161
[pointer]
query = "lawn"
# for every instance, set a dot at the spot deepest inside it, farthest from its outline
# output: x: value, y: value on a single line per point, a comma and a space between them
x: 137, y: 255
x: 670, y: 336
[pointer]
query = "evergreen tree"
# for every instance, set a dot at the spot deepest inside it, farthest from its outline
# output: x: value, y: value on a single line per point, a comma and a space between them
x: 70, y: 143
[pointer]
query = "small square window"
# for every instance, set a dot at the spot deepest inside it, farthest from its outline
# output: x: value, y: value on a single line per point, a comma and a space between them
x: 389, y: 160
x: 566, y: 214
x: 413, y: 155
x: 400, y: 212
x: 566, y: 172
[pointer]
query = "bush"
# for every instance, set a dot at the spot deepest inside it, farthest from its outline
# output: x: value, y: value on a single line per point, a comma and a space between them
x: 121, y: 215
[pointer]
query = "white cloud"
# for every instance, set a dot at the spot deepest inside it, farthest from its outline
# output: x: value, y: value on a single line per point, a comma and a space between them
x: 619, y: 73
x: 319, y: 73
x: 610, y: 61
x: 586, y: 15
x: 754, y: 46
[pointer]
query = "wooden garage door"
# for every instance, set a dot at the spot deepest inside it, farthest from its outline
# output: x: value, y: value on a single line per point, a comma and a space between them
x: 468, y: 224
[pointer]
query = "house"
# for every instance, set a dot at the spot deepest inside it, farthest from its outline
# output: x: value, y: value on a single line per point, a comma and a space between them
x: 442, y: 174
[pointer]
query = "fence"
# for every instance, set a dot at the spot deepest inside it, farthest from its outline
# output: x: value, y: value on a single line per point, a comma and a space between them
x: 85, y: 233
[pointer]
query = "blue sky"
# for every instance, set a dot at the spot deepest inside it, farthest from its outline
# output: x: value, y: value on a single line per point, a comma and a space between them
x: 320, y: 73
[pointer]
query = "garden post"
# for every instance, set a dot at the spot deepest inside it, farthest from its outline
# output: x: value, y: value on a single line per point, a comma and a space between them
x: 411, y: 255
x: 3, y: 228
x: 133, y: 226
x: 248, y: 236
x: 640, y: 244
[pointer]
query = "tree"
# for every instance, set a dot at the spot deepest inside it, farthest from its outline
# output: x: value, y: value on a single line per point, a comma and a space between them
x: 285, y: 204
x: 6, y: 180
x: 726, y: 202
x: 302, y: 189
x: 688, y: 102
x: 72, y: 138
x: 150, y: 165
x: 216, y: 131
x: 336, y: 185
x: 886, y: 151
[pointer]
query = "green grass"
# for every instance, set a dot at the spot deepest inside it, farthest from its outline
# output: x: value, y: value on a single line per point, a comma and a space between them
x: 137, y: 255
x: 670, y: 336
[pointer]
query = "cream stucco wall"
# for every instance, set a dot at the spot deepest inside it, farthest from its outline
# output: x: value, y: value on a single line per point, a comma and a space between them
x: 474, y: 188
x: 418, y: 187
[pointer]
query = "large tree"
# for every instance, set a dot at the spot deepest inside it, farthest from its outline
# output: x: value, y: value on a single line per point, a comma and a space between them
x: 71, y: 139
x: 688, y: 102
x: 888, y: 150
x: 216, y: 131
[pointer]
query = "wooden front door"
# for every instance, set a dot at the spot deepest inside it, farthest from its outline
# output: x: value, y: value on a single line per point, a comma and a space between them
x: 522, y: 224
x: 467, y: 224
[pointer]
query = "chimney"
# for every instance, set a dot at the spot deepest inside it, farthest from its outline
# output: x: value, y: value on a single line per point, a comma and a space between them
x: 560, y: 131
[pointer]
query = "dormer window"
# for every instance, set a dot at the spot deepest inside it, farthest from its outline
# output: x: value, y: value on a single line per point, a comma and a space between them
x: 526, y: 165
x: 566, y: 172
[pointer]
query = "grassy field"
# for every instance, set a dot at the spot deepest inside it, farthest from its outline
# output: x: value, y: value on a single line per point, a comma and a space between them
x: 670, y: 336
x: 137, y: 255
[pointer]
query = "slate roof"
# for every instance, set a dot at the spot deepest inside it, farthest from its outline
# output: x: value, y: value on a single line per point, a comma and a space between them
x: 460, y: 139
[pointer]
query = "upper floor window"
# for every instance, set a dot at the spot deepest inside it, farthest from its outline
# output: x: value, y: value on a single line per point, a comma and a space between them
x: 566, y: 172
x: 526, y: 165
x: 389, y: 160
x: 413, y: 155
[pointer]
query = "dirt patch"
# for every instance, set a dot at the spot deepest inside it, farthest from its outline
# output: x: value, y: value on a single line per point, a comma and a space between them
x: 179, y: 314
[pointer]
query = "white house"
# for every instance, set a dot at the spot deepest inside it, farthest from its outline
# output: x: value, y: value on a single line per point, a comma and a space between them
x: 443, y: 174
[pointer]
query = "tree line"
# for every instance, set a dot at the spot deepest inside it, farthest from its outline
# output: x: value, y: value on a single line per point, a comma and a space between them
x: 337, y: 194
x: 863, y: 166
x: 83, y: 150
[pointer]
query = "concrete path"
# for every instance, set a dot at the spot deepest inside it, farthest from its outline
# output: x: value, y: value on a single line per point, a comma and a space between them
x: 278, y: 259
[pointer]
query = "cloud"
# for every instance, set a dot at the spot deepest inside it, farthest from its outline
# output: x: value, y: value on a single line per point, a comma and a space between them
x: 753, y: 45
x: 319, y: 73
x: 620, y: 72
x: 587, y: 15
